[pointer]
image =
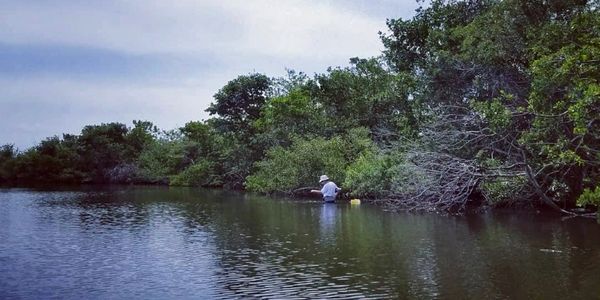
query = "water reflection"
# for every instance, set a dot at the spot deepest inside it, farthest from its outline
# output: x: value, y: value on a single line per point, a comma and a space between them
x: 156, y: 242
x: 327, y: 222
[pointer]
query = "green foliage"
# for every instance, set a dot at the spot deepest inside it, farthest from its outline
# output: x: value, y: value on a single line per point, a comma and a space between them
x: 8, y: 154
x: 197, y: 131
x: 528, y: 69
x: 236, y: 160
x: 240, y: 101
x: 180, y: 158
x: 590, y: 197
x: 101, y: 148
x: 201, y: 141
x: 368, y: 176
x: 201, y: 173
x: 495, y: 113
x: 367, y: 95
x: 390, y: 174
x: 494, y: 38
x: 101, y: 153
x: 564, y: 99
x: 138, y: 137
x: 160, y: 160
x: 293, y: 114
x: 52, y: 160
x: 503, y: 190
x: 286, y: 169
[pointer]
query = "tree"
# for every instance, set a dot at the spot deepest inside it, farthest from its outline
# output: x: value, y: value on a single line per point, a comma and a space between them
x: 286, y: 169
x: 366, y: 94
x: 505, y: 84
x: 138, y: 137
x: 288, y: 116
x: 239, y: 102
x: 101, y: 148
x: 8, y: 153
x: 563, y: 139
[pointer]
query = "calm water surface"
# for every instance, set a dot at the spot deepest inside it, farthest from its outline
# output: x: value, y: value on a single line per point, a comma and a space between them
x: 166, y: 243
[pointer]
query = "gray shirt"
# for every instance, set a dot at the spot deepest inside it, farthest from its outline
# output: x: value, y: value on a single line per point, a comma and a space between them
x: 330, y: 189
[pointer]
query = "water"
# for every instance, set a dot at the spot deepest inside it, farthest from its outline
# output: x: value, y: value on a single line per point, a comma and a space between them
x: 177, y: 243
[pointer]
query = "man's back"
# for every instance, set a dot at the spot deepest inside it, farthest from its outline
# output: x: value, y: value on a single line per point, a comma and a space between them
x: 329, y: 189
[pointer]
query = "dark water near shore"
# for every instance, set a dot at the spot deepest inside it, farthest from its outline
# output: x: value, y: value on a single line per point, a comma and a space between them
x: 166, y: 243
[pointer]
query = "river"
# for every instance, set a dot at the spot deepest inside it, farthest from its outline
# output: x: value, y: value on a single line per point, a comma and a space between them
x: 185, y: 243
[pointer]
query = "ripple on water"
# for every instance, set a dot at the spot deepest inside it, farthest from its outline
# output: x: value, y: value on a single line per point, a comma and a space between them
x: 272, y: 275
x: 159, y: 244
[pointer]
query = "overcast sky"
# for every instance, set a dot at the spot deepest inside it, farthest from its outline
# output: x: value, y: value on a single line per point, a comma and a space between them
x: 66, y: 64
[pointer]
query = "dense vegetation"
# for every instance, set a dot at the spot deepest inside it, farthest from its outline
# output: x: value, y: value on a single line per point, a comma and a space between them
x: 481, y: 101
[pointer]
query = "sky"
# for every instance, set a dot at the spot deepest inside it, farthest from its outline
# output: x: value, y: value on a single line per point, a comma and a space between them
x: 67, y: 64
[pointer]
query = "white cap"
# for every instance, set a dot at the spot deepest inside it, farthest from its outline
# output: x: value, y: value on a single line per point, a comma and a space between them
x: 323, y: 178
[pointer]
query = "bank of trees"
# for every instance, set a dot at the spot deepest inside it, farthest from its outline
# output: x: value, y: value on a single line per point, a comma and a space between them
x: 494, y: 102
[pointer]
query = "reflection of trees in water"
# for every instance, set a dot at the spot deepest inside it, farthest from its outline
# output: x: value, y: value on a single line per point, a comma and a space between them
x: 132, y: 208
x: 125, y: 208
x: 265, y: 245
x: 327, y: 222
x: 257, y: 240
x: 485, y: 255
x: 500, y: 256
x: 402, y: 255
x: 95, y: 209
x: 277, y: 247
x: 424, y: 281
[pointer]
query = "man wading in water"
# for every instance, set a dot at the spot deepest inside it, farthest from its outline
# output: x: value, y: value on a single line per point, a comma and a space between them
x: 329, y: 189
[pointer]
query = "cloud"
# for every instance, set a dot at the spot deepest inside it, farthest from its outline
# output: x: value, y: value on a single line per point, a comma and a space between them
x: 95, y: 63
x: 41, y: 107
x: 139, y: 27
x: 294, y: 29
x: 65, y: 64
x: 280, y: 28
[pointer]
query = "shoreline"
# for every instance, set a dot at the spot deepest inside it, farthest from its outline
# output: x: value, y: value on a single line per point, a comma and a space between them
x: 381, y: 203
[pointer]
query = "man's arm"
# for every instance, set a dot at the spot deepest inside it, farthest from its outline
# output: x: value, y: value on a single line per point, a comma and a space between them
x: 337, y: 189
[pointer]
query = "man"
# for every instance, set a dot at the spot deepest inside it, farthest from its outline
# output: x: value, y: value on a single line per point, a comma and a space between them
x: 329, y: 189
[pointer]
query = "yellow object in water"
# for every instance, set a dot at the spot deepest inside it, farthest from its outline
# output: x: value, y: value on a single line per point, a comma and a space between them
x: 355, y: 201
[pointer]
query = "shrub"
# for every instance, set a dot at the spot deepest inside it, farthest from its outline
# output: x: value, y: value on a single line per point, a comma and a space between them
x: 284, y: 170
x: 590, y: 197
x: 122, y: 173
x: 161, y: 159
x: 199, y: 174
x: 368, y: 176
x: 503, y: 190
